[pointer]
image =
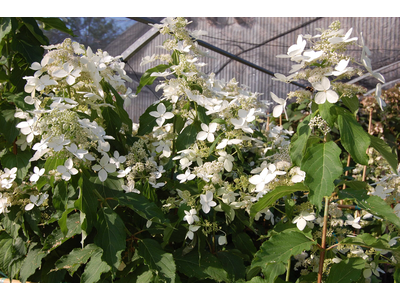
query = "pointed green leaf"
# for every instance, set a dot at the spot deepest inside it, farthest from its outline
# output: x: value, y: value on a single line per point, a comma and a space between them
x: 77, y: 257
x: 367, y: 240
x: 280, y: 247
x: 32, y: 262
x: 110, y: 236
x: 322, y: 166
x: 6, y: 253
x: 55, y: 23
x: 352, y: 103
x: 94, y: 268
x: 273, y: 270
x: 298, y: 145
x: 327, y: 113
x: 8, y: 124
x: 87, y: 203
x: 142, y: 206
x: 187, y: 137
x: 57, y: 237
x: 147, y: 79
x: 157, y: 259
x: 271, y: 197
x: 384, y: 149
x: 244, y: 243
x: 207, y: 266
x: 347, y: 271
x: 232, y: 264
x: 352, y: 136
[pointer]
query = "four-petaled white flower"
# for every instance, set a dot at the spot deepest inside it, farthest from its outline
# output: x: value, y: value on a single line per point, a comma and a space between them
x: 381, y: 191
x: 104, y: 167
x: 130, y: 188
x: 353, y: 222
x: 36, y: 174
x: 299, y: 175
x: 161, y: 114
x: 28, y: 129
x: 4, y: 204
x: 207, y: 201
x: 39, y: 68
x: 341, y: 68
x: 192, y: 230
x: 185, y: 177
x: 123, y: 173
x: 36, y: 200
x: 191, y: 216
x: 69, y: 72
x: 227, y: 159
x: 79, y: 153
x: 208, y: 132
x: 324, y: 93
x: 302, y: 219
x: 117, y: 160
x: 67, y: 169
x: 8, y: 177
x: 58, y: 143
x: 244, y: 117
x: 295, y: 50
x: 344, y: 39
x: 267, y: 175
x: 278, y: 109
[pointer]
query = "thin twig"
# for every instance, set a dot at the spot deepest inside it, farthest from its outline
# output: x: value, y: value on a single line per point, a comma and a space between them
x: 323, y: 242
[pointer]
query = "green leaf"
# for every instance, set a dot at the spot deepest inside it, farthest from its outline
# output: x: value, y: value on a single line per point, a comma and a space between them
x: 122, y: 113
x: 327, y: 113
x: 94, y: 268
x: 32, y: 262
x: 57, y: 237
x: 19, y: 160
x: 142, y: 206
x: 77, y: 257
x: 271, y: 197
x: 35, y: 31
x: 244, y: 243
x: 87, y: 203
x: 298, y: 145
x: 280, y: 247
x: 347, y: 271
x: 377, y: 206
x: 353, y: 137
x: 110, y: 236
x: 147, y: 79
x: 366, y: 240
x: 232, y: 264
x: 112, y: 121
x: 322, y: 166
x: 273, y: 270
x: 55, y: 23
x: 6, y: 251
x: 8, y: 125
x: 352, y: 103
x: 187, y: 137
x: 157, y: 259
x: 384, y: 149
x: 373, y: 204
x: 5, y: 27
x: 207, y: 266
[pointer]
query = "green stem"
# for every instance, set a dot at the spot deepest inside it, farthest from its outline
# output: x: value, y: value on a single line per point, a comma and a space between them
x: 323, y: 243
x: 288, y: 270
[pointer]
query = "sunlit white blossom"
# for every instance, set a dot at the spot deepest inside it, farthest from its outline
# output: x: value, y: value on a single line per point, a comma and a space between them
x: 302, y: 219
x: 207, y: 202
x: 185, y: 177
x: 207, y: 132
x: 104, y: 167
x: 36, y: 174
x: 67, y: 169
x: 191, y: 216
x: 161, y: 114
x: 324, y: 92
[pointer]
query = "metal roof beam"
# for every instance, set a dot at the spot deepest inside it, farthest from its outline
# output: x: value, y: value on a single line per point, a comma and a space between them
x: 220, y: 51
